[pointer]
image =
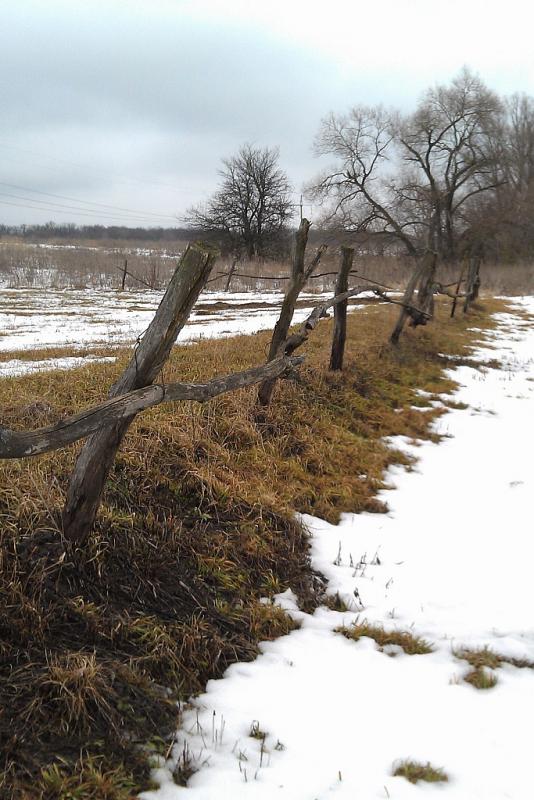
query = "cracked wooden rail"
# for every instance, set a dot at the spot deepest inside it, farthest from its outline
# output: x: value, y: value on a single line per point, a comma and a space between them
x: 20, y: 444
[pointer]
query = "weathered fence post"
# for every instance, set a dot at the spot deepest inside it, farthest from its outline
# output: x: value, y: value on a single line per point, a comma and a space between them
x: 422, y: 276
x: 425, y: 293
x: 124, y: 274
x: 231, y: 272
x: 98, y: 453
x: 299, y: 275
x: 340, y: 310
x: 458, y: 287
x: 473, y: 282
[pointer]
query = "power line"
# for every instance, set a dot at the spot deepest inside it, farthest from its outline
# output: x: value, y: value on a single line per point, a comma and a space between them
x: 89, y: 203
x: 50, y: 205
x: 76, y: 213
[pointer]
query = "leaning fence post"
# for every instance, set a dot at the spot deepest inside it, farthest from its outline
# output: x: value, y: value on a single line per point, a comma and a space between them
x: 299, y: 275
x: 98, y: 453
x: 340, y: 310
x: 473, y: 282
x: 407, y: 300
x: 231, y: 272
x: 422, y: 277
x: 425, y: 293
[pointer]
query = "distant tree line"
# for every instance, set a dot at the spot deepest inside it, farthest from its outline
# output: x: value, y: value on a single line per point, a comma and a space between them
x: 71, y: 232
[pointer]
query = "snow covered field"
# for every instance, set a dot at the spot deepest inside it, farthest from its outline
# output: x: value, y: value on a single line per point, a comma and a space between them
x: 451, y: 562
x: 34, y: 319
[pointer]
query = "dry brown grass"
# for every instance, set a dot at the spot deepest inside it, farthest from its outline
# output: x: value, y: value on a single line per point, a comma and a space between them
x: 411, y: 644
x: 485, y: 657
x: 414, y: 771
x: 196, y: 526
x: 485, y: 662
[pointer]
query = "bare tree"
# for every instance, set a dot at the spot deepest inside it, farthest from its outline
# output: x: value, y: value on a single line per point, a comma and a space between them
x: 409, y: 177
x: 519, y: 143
x: 356, y: 189
x: 448, y: 144
x: 249, y: 212
x: 505, y: 220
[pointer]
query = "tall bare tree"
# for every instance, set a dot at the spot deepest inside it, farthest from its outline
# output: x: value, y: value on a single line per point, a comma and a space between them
x: 249, y: 211
x: 505, y: 220
x: 356, y: 188
x: 448, y: 144
x: 409, y: 177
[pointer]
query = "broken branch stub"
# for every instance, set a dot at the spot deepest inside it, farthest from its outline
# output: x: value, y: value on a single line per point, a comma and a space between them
x: 98, y: 453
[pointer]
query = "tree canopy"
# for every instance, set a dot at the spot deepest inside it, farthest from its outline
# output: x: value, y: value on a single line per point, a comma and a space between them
x: 249, y: 211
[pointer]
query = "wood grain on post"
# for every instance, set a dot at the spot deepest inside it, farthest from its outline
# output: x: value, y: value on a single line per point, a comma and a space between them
x: 340, y: 310
x: 98, y: 453
x: 299, y: 275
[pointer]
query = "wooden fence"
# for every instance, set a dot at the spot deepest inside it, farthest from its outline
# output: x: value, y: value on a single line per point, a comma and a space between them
x: 105, y: 425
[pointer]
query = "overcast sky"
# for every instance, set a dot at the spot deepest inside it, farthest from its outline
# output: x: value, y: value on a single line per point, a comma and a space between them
x: 132, y: 104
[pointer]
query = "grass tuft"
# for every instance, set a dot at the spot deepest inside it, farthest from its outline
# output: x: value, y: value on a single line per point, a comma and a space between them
x: 411, y: 644
x: 484, y: 662
x: 256, y: 732
x: 481, y: 678
x: 485, y: 657
x: 335, y: 603
x: 91, y: 780
x: 414, y: 771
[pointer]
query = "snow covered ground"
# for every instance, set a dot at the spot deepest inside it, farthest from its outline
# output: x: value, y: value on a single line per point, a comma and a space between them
x: 33, y: 319
x: 17, y: 366
x: 451, y: 562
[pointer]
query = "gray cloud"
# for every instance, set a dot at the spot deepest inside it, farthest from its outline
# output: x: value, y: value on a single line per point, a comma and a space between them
x: 135, y: 104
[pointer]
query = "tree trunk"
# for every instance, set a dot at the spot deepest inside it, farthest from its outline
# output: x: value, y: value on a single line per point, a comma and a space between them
x: 423, y: 277
x: 340, y: 310
x: 407, y: 299
x: 98, y: 453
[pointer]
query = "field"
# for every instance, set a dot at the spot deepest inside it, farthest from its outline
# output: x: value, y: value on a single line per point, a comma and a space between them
x: 43, y: 329
x: 196, y: 527
x: 221, y: 530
